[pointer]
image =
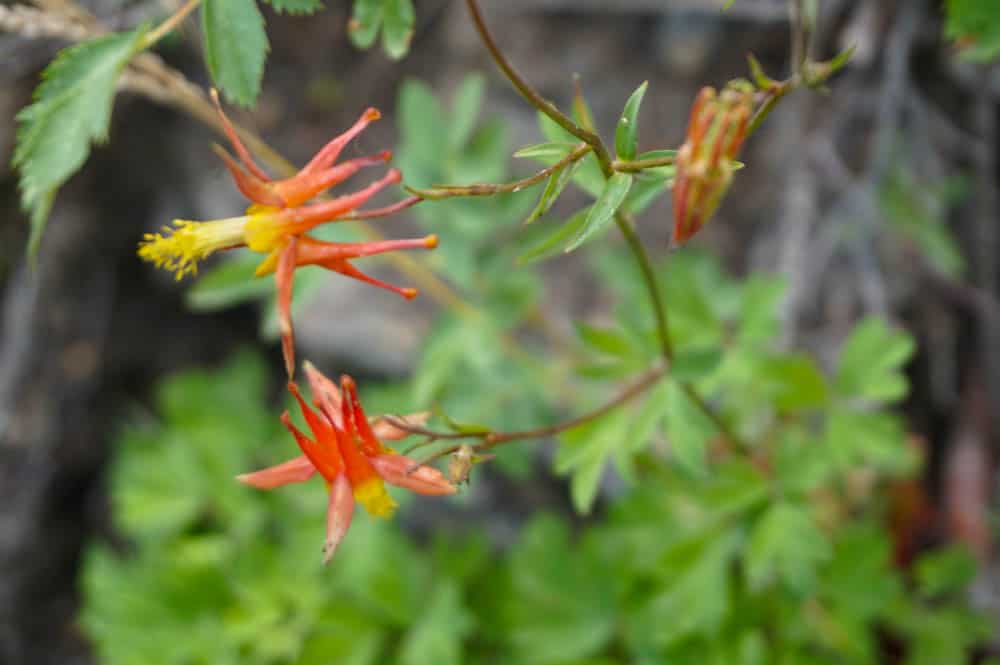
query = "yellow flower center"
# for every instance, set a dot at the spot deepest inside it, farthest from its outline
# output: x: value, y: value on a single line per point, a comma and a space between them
x: 180, y: 247
x: 371, y: 494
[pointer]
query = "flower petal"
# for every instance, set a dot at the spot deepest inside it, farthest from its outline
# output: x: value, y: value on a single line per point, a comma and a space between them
x: 339, y: 512
x: 326, y: 394
x: 402, y: 471
x: 283, y: 277
x: 386, y: 431
x: 295, y: 470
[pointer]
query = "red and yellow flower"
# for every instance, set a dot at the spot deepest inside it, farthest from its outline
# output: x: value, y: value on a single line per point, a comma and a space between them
x: 277, y: 222
x: 707, y: 160
x: 345, y: 451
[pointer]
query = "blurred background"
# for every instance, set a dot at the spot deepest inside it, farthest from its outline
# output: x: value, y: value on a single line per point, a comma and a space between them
x: 128, y: 400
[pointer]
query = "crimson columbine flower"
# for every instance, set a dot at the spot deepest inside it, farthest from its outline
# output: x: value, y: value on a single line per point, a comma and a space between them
x: 707, y: 160
x: 279, y: 219
x: 353, y: 462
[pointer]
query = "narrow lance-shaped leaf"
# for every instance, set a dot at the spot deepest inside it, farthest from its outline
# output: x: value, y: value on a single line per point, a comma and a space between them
x: 553, y: 188
x: 553, y: 242
x: 235, y: 47
x: 71, y: 110
x: 603, y: 211
x: 546, y: 151
x: 627, y: 133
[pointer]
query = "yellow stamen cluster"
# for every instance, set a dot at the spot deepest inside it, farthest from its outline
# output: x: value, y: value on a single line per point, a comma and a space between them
x: 180, y: 247
x: 371, y: 494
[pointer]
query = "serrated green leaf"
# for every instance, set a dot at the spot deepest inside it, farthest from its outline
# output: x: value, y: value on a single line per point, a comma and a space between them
x: 603, y: 211
x: 627, y: 132
x: 786, y: 544
x: 871, y: 362
x: 71, y: 110
x: 235, y: 47
x: 296, y: 7
x: 553, y: 243
x: 546, y: 151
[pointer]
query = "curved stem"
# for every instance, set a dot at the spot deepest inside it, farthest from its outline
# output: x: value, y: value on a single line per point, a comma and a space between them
x: 440, y: 192
x: 532, y: 96
x: 649, y: 279
x: 490, y: 439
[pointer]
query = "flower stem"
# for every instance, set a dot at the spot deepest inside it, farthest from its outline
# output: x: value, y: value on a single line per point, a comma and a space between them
x: 649, y: 279
x: 533, y: 97
x: 440, y: 192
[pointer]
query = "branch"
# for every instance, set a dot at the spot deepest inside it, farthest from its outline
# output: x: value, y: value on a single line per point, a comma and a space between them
x: 489, y: 439
x: 441, y: 192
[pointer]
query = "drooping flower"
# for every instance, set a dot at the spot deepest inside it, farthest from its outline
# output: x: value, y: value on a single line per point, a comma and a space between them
x: 344, y: 450
x: 277, y: 222
x: 707, y: 160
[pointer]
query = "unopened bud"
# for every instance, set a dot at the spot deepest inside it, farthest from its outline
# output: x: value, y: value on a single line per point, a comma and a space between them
x: 706, y: 161
x: 460, y: 464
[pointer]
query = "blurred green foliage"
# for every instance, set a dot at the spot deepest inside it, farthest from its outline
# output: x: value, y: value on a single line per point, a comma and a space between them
x: 975, y: 25
x: 712, y: 554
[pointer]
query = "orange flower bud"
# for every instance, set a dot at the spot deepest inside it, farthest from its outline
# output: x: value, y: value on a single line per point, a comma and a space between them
x: 706, y: 161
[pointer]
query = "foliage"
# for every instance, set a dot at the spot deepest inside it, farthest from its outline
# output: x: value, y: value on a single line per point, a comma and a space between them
x: 754, y: 560
x: 975, y: 24
x: 71, y: 110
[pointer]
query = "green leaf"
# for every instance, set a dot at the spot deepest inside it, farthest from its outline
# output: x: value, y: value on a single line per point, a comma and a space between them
x: 395, y: 18
x: 553, y: 188
x: 366, y: 20
x: 871, y: 362
x: 546, y: 150
x: 610, y: 341
x: 397, y: 27
x: 296, y: 7
x: 584, y: 451
x: 692, y: 590
x: 558, y: 605
x: 627, y: 132
x: 688, y: 429
x: 437, y: 635
x: 786, y: 544
x: 793, y: 381
x: 976, y: 25
x: 693, y: 363
x: 552, y: 244
x: 603, y: 211
x: 466, y: 106
x: 945, y: 571
x: 235, y: 47
x: 230, y: 283
x: 71, y: 110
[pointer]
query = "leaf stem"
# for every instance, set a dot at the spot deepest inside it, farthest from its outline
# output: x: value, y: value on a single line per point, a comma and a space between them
x: 440, y: 192
x: 490, y: 439
x: 162, y: 30
x: 637, y: 165
x: 635, y: 245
